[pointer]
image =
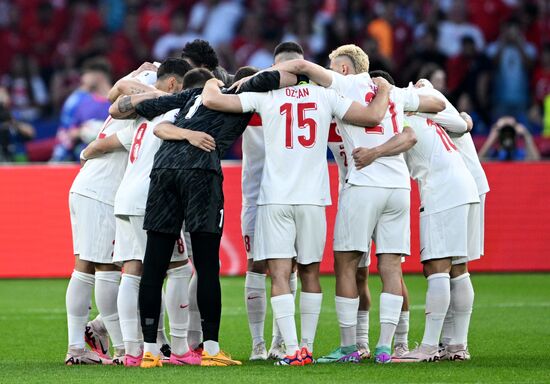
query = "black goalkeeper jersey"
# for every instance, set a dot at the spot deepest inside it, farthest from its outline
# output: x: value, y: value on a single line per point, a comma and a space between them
x: 225, y: 128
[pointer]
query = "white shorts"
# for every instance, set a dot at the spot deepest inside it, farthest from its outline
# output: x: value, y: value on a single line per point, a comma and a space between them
x: 93, y: 228
x: 287, y: 231
x: 482, y: 223
x: 380, y: 214
x: 131, y: 240
x: 451, y: 233
x: 248, y: 222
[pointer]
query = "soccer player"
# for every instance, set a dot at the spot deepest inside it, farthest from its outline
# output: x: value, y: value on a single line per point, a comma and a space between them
x: 130, y: 237
x: 294, y: 192
x: 375, y: 202
x: 252, y: 168
x: 448, y: 215
x: 455, y: 328
x: 186, y: 184
x: 91, y: 201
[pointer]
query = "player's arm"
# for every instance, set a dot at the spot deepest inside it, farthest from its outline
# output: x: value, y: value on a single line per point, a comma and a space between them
x: 399, y: 143
x: 213, y: 98
x: 430, y: 104
x: 128, y: 86
x: 125, y: 106
x: 266, y: 81
x: 100, y: 147
x: 168, y: 131
x: 315, y: 72
x: 372, y: 114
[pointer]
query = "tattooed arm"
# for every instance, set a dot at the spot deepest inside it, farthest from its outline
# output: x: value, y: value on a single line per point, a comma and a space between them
x: 128, y: 86
x: 124, y: 107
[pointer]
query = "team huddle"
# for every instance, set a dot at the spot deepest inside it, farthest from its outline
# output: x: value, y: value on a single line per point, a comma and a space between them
x: 149, y: 200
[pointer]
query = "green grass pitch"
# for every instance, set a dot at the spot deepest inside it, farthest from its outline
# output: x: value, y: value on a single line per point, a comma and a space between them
x: 509, y: 339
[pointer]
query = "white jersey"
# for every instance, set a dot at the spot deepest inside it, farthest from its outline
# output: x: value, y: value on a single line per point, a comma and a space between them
x: 435, y: 163
x: 296, y: 123
x: 253, y: 161
x: 452, y: 122
x: 131, y: 196
x: 389, y: 171
x: 336, y: 146
x: 99, y: 178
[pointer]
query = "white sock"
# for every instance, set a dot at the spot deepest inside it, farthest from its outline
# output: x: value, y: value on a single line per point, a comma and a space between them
x: 151, y: 347
x: 293, y: 283
x: 390, y: 308
x: 362, y: 327
x: 346, y: 312
x: 402, y: 329
x: 255, y: 298
x: 128, y: 312
x: 283, y: 311
x: 277, y: 336
x: 448, y: 331
x: 462, y: 299
x: 438, y: 297
x: 106, y: 293
x: 212, y: 347
x: 194, y: 334
x: 310, y: 308
x: 161, y: 335
x: 177, y: 304
x: 77, y: 301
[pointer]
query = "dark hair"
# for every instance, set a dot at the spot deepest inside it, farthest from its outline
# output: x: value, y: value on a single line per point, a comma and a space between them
x: 97, y: 64
x: 288, y: 46
x: 196, y: 78
x: 201, y: 54
x: 382, y: 74
x: 173, y: 67
x: 428, y: 70
x: 221, y: 74
x: 244, y: 72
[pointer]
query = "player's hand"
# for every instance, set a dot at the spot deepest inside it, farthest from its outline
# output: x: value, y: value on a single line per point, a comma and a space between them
x: 202, y: 141
x: 521, y: 130
x: 146, y: 66
x: 468, y: 119
x: 380, y: 82
x: 237, y: 84
x: 363, y: 157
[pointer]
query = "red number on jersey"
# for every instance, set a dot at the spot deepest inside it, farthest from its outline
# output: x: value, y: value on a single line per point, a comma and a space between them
x: 181, y: 246
x: 379, y: 130
x: 136, y: 143
x: 343, y: 155
x: 303, y: 121
x: 102, y: 135
x: 445, y: 139
x: 246, y: 239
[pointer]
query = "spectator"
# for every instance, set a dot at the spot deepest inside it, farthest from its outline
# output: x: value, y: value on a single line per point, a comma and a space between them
x: 175, y: 39
x: 453, y: 30
x: 425, y: 50
x: 541, y: 76
x: 435, y: 75
x: 12, y: 132
x: 88, y: 105
x: 27, y: 90
x: 502, y: 142
x: 216, y: 20
x: 512, y: 58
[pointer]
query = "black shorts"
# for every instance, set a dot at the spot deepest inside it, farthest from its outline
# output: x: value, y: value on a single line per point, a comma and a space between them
x: 191, y: 195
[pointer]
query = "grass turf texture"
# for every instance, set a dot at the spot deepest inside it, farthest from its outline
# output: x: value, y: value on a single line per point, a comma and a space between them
x: 509, y: 338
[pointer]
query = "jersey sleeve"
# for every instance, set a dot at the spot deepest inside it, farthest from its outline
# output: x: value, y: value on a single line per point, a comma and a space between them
x: 155, y: 107
x: 410, y: 98
x: 125, y: 136
x: 170, y: 116
x: 338, y: 103
x: 251, y: 101
x: 263, y: 82
x: 339, y: 82
x: 449, y: 118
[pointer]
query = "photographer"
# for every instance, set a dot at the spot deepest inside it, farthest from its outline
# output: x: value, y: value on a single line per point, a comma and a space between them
x: 12, y: 132
x: 502, y: 142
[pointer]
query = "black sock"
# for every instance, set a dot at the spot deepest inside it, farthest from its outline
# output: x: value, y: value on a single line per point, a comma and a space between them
x: 206, y: 258
x: 155, y: 264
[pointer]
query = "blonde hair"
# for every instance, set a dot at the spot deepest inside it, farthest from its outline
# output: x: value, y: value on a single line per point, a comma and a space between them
x: 357, y: 56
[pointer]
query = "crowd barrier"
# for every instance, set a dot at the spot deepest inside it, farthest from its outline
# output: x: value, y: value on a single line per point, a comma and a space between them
x: 35, y: 234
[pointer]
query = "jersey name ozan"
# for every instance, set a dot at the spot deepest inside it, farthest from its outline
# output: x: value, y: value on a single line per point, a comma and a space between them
x: 142, y: 145
x: 389, y: 171
x: 296, y: 123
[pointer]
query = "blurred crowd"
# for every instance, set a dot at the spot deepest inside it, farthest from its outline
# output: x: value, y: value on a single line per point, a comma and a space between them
x: 490, y: 57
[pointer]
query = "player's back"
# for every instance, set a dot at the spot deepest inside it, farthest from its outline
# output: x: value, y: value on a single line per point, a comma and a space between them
x: 253, y: 160
x: 434, y: 161
x: 296, y: 123
x: 99, y: 178
x: 466, y: 146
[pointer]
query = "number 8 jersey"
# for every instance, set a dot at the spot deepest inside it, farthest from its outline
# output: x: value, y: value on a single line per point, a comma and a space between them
x: 296, y: 123
x: 142, y: 145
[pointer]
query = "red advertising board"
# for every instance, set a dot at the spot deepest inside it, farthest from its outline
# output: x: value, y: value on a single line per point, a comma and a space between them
x: 35, y: 234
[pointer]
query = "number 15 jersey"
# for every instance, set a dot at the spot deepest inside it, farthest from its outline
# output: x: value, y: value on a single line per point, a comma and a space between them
x: 296, y: 123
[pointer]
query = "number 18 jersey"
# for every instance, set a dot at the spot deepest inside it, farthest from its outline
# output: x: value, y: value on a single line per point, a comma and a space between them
x: 296, y: 123
x: 142, y: 145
